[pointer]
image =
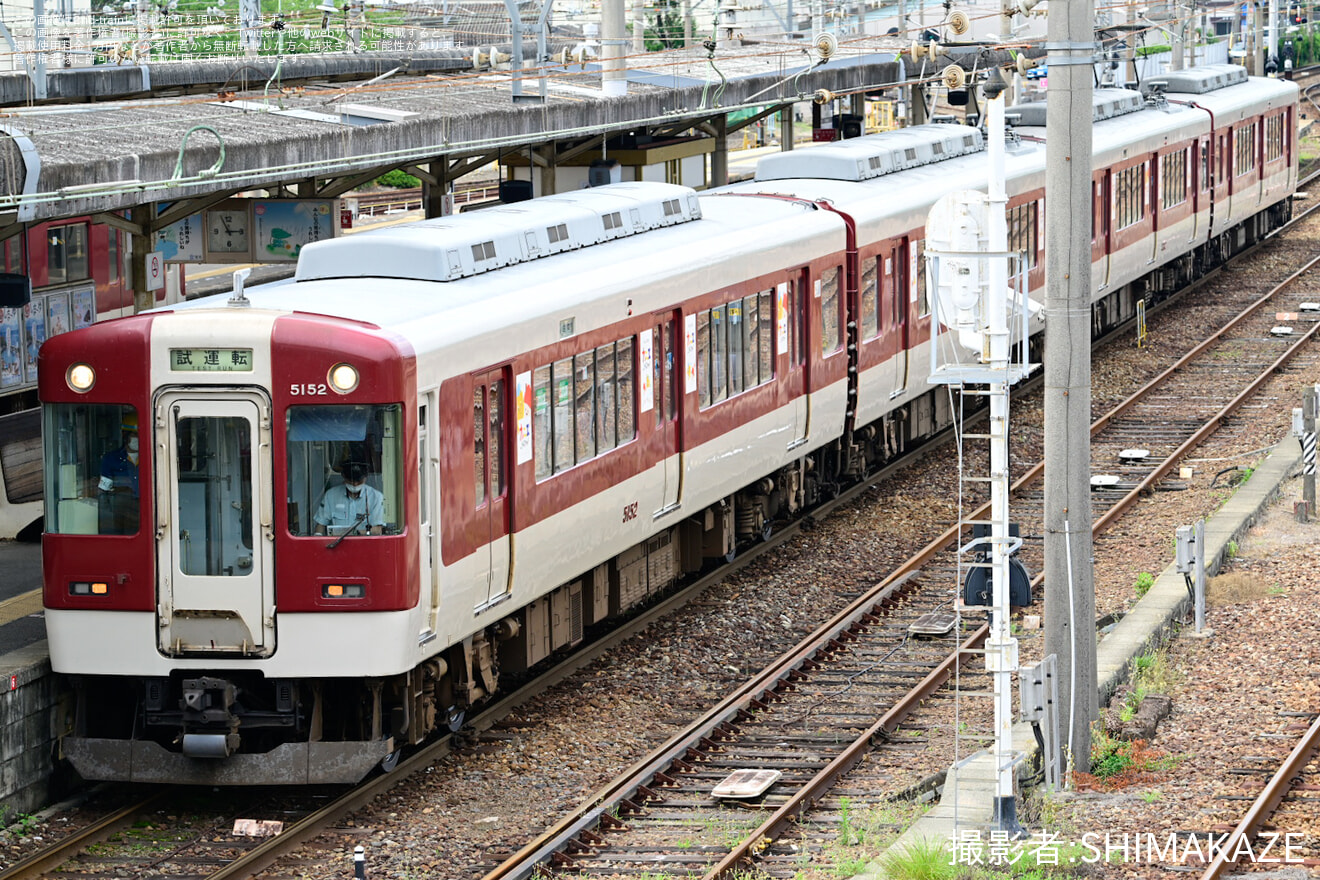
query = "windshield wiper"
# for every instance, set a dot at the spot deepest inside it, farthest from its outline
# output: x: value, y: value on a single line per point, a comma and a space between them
x: 351, y: 529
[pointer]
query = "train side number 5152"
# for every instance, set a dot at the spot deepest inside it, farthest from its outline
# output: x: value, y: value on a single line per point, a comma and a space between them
x: 309, y: 389
x: 630, y: 512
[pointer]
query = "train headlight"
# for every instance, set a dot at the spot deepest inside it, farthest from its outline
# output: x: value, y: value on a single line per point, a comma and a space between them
x: 80, y: 377
x: 343, y: 378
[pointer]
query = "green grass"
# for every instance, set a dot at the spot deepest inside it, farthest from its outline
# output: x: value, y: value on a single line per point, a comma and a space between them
x: 1145, y: 581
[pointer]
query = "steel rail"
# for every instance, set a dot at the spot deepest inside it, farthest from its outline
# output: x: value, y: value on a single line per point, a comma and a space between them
x: 1264, y: 806
x: 37, y: 864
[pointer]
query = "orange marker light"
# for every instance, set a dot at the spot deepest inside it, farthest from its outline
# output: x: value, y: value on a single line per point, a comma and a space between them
x: 100, y: 589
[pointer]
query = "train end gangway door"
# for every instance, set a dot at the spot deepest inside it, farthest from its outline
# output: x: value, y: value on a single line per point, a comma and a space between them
x: 214, y: 532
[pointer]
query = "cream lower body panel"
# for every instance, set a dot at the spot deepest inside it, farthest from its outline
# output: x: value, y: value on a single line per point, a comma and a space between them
x: 310, y: 645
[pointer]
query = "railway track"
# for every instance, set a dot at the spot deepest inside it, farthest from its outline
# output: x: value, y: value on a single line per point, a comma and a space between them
x: 1291, y: 785
x: 843, y: 664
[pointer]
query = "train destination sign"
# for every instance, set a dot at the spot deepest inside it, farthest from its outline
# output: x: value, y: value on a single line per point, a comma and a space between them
x: 211, y: 360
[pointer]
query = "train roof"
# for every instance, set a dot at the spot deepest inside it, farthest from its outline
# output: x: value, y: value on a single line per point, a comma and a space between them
x: 596, y: 284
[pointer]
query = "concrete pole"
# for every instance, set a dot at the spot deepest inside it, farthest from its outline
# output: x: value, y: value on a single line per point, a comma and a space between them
x: 1272, y: 50
x: 639, y: 27
x: 1069, y: 578
x: 614, y: 79
x: 1131, y: 50
x: 786, y: 128
x: 719, y: 159
x: 249, y: 26
x: 39, y: 49
x: 142, y: 216
x: 1176, y: 38
x: 687, y: 23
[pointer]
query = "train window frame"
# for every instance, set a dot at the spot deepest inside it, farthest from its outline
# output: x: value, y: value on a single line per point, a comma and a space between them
x: 918, y: 249
x: 829, y: 286
x: 869, y: 287
x: 1274, y: 129
x: 319, y: 438
x: 85, y: 477
x: 1173, y: 179
x: 562, y: 435
x: 1244, y: 149
x: 1023, y: 226
x: 68, y: 253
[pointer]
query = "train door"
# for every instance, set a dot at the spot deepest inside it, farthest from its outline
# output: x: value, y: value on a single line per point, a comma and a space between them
x: 1103, y: 201
x: 428, y: 483
x: 665, y: 399
x: 796, y: 298
x: 489, y: 409
x: 215, y: 538
x: 893, y: 316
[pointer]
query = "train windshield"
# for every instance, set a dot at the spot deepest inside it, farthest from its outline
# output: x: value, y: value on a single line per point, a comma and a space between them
x: 345, y: 474
x: 91, y: 469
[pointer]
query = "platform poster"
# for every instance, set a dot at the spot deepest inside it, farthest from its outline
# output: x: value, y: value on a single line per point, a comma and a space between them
x: 690, y: 353
x: 283, y: 227
x: 11, y: 347
x: 645, y: 353
x: 181, y: 241
x: 83, y: 302
x: 523, y: 384
x: 34, y: 333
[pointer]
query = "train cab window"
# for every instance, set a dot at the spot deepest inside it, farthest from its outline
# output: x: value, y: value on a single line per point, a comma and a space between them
x: 67, y: 253
x: 870, y: 290
x: 333, y: 445
x: 831, y: 336
x: 91, y: 469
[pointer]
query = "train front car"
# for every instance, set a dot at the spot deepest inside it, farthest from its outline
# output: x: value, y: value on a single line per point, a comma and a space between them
x: 194, y: 460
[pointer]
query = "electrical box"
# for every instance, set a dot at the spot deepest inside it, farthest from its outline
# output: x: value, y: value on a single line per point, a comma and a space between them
x: 1185, y: 549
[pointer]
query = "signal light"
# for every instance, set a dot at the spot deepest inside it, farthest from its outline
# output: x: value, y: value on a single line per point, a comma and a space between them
x: 86, y: 588
x: 343, y: 591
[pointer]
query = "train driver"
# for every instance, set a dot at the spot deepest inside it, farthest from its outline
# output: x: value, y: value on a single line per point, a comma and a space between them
x: 117, y: 502
x: 351, y: 503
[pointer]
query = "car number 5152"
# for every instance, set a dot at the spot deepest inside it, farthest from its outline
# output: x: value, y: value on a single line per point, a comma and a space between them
x: 298, y: 389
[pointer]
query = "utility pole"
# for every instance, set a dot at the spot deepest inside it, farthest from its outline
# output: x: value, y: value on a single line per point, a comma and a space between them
x: 639, y: 27
x: 1069, y: 578
x: 1272, y: 53
x: 614, y: 79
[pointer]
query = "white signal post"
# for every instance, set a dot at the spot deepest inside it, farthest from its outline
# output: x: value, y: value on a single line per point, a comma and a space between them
x: 969, y: 247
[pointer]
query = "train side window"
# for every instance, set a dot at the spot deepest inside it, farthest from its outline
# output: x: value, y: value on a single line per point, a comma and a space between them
x: 719, y: 355
x: 495, y: 436
x: 703, y: 358
x: 1244, y: 143
x: 479, y: 442
x: 67, y: 253
x: 584, y: 389
x: 607, y: 408
x: 562, y: 380
x: 751, y: 341
x: 542, y: 425
x: 14, y: 254
x: 734, y: 335
x: 870, y: 289
x: 766, y: 328
x: 918, y: 248
x: 626, y: 405
x: 830, y: 313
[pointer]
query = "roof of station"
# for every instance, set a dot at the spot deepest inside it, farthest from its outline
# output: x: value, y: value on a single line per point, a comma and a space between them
x: 65, y: 160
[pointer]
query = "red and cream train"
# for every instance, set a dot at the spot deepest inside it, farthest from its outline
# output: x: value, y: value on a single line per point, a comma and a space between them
x: 565, y: 403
